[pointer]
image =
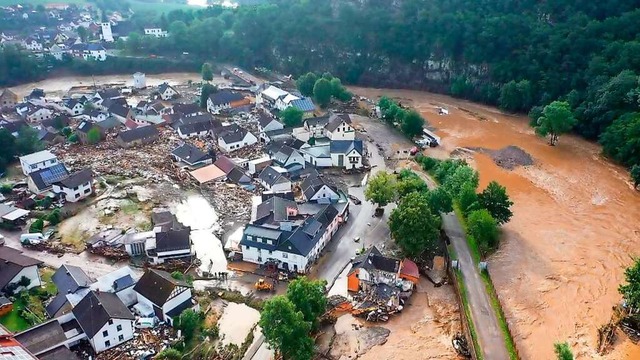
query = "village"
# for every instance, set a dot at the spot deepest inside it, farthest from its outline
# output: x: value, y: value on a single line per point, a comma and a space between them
x: 141, y: 190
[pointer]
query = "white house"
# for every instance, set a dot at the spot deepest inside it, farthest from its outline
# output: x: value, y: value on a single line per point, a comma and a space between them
x: 233, y: 137
x: 76, y: 186
x: 346, y: 153
x: 104, y: 319
x: 284, y: 102
x: 315, y: 126
x: 167, y: 92
x: 14, y: 266
x: 119, y: 282
x: 339, y: 128
x: 269, y: 96
x: 191, y: 156
x: 32, y: 44
x: 157, y: 32
x: 37, y: 113
x: 41, y: 181
x: 268, y: 123
x: 318, y: 156
x: 94, y: 52
x: 57, y: 51
x: 289, y: 158
x: 316, y: 189
x: 73, y: 107
x: 37, y: 161
x: 274, y: 179
x: 139, y: 80
x: 107, y: 34
x: 223, y: 100
x: 167, y: 245
x: 161, y: 295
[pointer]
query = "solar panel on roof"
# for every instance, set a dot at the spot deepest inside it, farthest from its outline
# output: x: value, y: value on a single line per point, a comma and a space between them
x: 54, y: 174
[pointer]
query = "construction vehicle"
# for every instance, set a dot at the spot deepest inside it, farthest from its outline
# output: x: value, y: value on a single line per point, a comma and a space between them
x: 262, y: 285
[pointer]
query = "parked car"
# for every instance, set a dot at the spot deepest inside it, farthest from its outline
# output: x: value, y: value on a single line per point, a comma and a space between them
x: 355, y: 200
x: 31, y: 239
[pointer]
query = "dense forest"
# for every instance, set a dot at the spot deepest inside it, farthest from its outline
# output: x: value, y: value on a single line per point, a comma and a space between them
x: 520, y: 55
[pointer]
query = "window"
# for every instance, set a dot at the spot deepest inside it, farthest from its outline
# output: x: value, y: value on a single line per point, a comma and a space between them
x: 119, y: 327
x: 77, y: 196
x: 270, y: 252
x: 248, y: 247
x: 75, y: 188
x: 249, y: 237
x: 285, y: 255
x: 110, y: 322
x: 105, y: 333
x: 107, y: 343
x: 86, y: 191
x: 259, y: 239
x: 121, y: 338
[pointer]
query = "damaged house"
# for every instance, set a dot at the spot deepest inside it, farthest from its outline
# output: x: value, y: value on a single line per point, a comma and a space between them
x: 162, y: 296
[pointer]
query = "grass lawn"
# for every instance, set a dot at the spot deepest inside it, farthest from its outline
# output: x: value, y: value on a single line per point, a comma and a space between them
x: 13, y: 321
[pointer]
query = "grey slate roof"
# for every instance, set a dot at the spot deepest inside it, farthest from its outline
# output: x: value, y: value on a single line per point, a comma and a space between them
x: 118, y: 109
x: 190, y: 154
x: 373, y: 259
x: 225, y: 97
x: 76, y: 179
x: 11, y: 263
x: 164, y: 86
x: 336, y: 120
x: 345, y: 146
x: 60, y: 352
x: 317, y: 121
x: 69, y: 278
x: 233, y: 133
x: 194, y: 128
x: 97, y: 308
x: 173, y: 240
x: 187, y: 109
x: 109, y: 123
x: 157, y: 286
x: 313, y: 184
x: 238, y: 176
x: 85, y: 126
x: 272, y: 177
x: 41, y: 337
x: 142, y: 132
x: 274, y: 210
x: 264, y: 119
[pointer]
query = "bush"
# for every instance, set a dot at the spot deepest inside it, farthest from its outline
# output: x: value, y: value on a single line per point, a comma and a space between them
x: 427, y: 163
x: 484, y: 229
x: 54, y: 217
x: 169, y: 354
x: 36, y: 226
x: 6, y: 189
x: 74, y: 138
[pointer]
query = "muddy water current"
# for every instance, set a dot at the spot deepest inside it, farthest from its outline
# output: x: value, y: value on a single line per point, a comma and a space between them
x: 574, y: 230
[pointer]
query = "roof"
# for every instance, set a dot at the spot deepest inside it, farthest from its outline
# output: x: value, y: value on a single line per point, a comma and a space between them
x: 164, y: 86
x: 119, y: 110
x: 143, y: 132
x: 273, y: 92
x: 44, y: 178
x: 109, y: 93
x: 109, y: 123
x: 274, y: 210
x: 187, y: 304
x: 37, y: 157
x: 60, y: 352
x: 373, y: 259
x: 336, y: 120
x: 208, y: 173
x: 97, y: 308
x: 253, y: 232
x: 264, y: 119
x: 41, y: 337
x: 225, y: 97
x: 317, y: 121
x: 304, y: 104
x: 69, y: 278
x: 194, y: 128
x: 173, y: 240
x: 190, y: 154
x: 12, y: 262
x: 4, y: 301
x: 272, y: 176
x: 85, y: 126
x: 345, y: 146
x: 58, y: 303
x: 76, y: 179
x: 14, y: 126
x: 238, y: 176
x: 313, y: 184
x: 233, y: 134
x: 115, y: 281
x: 187, y: 109
x: 95, y: 47
x: 409, y: 268
x: 157, y: 286
x: 225, y: 164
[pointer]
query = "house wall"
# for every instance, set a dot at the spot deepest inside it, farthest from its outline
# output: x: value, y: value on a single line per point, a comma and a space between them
x: 318, y: 162
x: 353, y: 160
x: 113, y: 335
x: 34, y: 189
x: 135, y: 249
x: 166, y: 255
x: 168, y: 94
x: 42, y: 114
x: 316, y: 130
x: 259, y: 256
x: 325, y: 193
x: 174, y: 302
x: 280, y: 188
x: 343, y: 132
x: 215, y: 109
x: 29, y: 168
x: 353, y: 283
x: 274, y: 125
x: 31, y: 273
x: 295, y: 158
x: 74, y: 195
x: 248, y: 140
x: 198, y: 134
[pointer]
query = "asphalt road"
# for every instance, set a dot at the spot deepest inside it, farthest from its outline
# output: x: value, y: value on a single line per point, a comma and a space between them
x: 485, y: 321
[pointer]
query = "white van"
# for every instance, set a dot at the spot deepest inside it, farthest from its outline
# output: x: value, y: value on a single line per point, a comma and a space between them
x: 31, y: 239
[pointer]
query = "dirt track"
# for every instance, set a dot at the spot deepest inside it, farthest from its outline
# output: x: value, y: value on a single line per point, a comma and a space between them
x: 574, y: 230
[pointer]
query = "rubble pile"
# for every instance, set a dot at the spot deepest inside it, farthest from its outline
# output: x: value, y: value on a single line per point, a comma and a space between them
x: 230, y: 201
x: 110, y: 252
x: 146, y: 342
x: 378, y: 303
x: 254, y: 151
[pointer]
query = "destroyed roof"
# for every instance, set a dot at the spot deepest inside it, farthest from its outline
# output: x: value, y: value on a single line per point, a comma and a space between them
x: 47, y: 134
x: 337, y: 120
x: 76, y: 179
x: 44, y: 178
x: 62, y: 120
x: 284, y: 132
x: 13, y: 126
x: 37, y: 157
x: 11, y: 263
x: 41, y: 337
x: 233, y: 133
x: 190, y: 154
x: 345, y: 146
x: 271, y: 176
x: 409, y: 268
x: 109, y: 123
x: 373, y: 259
x: 274, y: 210
x: 173, y: 240
x: 140, y: 133
x: 69, y: 278
x: 225, y: 164
x: 85, y: 126
x: 225, y: 97
x: 317, y: 121
x: 157, y: 286
x: 304, y: 104
x: 97, y: 308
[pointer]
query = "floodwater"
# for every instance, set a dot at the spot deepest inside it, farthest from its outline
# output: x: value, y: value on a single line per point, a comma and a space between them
x: 195, y: 211
x: 574, y: 231
x: 236, y: 322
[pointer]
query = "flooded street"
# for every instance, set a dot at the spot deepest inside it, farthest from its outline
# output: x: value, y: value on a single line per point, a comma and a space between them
x: 236, y: 322
x: 196, y: 212
x: 575, y: 226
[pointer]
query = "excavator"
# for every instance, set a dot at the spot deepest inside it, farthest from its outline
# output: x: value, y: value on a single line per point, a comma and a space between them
x: 262, y: 285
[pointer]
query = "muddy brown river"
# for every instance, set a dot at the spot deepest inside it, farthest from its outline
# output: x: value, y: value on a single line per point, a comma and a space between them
x: 574, y: 230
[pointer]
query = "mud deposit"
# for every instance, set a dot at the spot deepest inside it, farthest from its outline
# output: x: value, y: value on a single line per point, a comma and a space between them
x: 575, y: 226
x: 509, y: 157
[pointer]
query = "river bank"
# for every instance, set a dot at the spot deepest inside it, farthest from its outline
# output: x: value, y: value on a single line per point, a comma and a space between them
x: 573, y: 232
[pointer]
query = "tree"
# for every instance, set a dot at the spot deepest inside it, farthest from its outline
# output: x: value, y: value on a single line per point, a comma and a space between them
x: 461, y: 176
x: 621, y: 140
x: 495, y: 199
x: 24, y: 281
x: 83, y: 33
x: 309, y: 298
x: 556, y: 119
x: 413, y: 226
x: 635, y: 175
x: 338, y: 91
x: 291, y: 116
x: 36, y: 226
x: 410, y: 184
x: 468, y: 199
x: 484, y: 229
x: 285, y: 330
x: 169, y: 354
x: 93, y: 136
x: 87, y: 108
x: 631, y: 290
x: 188, y: 322
x: 205, y: 92
x: 207, y: 72
x: 73, y: 138
x: 306, y: 82
x: 381, y: 189
x: 27, y: 141
x: 54, y: 217
x: 384, y: 103
x: 439, y: 201
x: 563, y: 351
x: 58, y: 123
x: 8, y: 146
x: 411, y: 124
x: 322, y: 92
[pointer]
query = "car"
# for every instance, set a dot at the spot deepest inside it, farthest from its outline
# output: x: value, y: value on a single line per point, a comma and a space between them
x: 355, y: 200
x: 356, y: 239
